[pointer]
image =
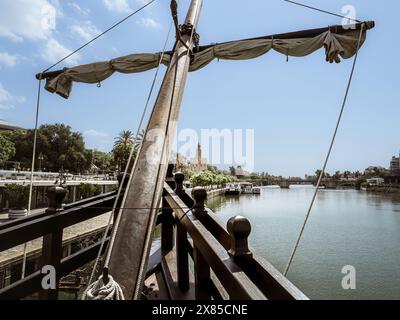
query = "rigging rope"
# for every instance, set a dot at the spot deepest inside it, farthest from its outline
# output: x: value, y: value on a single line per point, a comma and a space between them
x: 38, y: 108
x: 126, y: 169
x: 327, y: 156
x: 100, y: 35
x: 324, y: 11
x: 32, y: 170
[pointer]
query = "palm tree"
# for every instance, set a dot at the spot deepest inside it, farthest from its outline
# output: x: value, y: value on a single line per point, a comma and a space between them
x: 122, y: 147
x: 124, y: 140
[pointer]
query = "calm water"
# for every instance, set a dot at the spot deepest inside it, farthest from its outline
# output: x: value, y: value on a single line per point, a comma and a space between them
x: 346, y: 227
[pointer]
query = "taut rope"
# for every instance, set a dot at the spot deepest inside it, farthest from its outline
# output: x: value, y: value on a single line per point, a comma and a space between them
x: 327, y: 156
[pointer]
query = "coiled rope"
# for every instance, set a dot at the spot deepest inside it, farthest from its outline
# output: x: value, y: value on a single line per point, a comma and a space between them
x: 327, y: 156
x: 101, y: 290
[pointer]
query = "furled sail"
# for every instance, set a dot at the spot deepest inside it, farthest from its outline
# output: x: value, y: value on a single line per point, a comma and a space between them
x: 336, y: 46
x: 99, y: 71
x: 343, y: 44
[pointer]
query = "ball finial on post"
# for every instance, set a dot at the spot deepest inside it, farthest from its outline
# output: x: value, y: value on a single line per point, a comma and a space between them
x: 239, y: 229
x: 179, y: 179
x: 55, y: 197
x: 199, y: 195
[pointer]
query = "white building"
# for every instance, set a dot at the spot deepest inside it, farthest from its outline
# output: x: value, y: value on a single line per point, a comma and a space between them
x: 395, y: 165
x: 375, y: 181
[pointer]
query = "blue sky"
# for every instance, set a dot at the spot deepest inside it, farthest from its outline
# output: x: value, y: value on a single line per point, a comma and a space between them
x: 292, y: 106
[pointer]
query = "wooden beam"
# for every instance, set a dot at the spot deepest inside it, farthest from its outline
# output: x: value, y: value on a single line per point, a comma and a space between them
x: 309, y: 33
x: 130, y: 250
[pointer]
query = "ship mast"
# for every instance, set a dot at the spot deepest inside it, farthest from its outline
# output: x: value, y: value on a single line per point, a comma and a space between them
x: 130, y: 250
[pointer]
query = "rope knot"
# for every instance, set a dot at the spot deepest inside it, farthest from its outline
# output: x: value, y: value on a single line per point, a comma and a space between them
x: 100, y: 290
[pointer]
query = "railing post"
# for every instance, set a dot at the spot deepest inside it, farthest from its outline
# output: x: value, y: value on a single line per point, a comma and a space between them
x: 239, y: 229
x: 52, y: 243
x: 167, y: 226
x: 182, y: 253
x: 201, y: 267
x: 202, y: 275
x: 169, y: 178
x: 179, y: 178
x: 199, y: 196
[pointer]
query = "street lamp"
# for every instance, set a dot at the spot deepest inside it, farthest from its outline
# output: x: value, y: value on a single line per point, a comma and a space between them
x: 40, y: 158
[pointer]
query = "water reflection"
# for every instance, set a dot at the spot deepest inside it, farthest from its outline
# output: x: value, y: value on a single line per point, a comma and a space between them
x: 346, y: 227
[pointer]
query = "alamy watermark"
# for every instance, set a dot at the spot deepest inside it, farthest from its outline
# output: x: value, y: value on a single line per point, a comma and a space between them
x: 350, y: 14
x: 349, y: 280
x: 217, y: 147
x: 49, y: 280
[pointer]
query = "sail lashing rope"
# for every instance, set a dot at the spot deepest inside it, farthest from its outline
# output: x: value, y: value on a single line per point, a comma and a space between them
x: 322, y: 173
x: 24, y: 259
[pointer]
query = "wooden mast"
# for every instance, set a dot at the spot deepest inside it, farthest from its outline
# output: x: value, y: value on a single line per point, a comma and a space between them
x: 130, y: 250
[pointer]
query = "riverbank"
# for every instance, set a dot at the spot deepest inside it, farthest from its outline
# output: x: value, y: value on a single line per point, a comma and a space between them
x: 385, y: 189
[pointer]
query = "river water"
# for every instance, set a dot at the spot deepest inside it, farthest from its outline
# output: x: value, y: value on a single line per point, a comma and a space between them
x: 346, y: 227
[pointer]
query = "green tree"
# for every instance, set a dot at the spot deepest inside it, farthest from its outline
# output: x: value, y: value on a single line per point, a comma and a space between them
x: 17, y: 196
x: 87, y: 190
x: 123, y: 145
x: 60, y: 146
x: 102, y: 160
x: 7, y: 149
x: 318, y: 173
x: 208, y: 178
x: 337, y: 175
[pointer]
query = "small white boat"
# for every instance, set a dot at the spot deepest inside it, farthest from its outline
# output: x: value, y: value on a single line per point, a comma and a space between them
x: 246, y: 187
x: 232, y: 189
x: 256, y: 190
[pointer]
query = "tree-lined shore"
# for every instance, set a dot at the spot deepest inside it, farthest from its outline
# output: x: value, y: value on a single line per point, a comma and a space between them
x: 59, y: 148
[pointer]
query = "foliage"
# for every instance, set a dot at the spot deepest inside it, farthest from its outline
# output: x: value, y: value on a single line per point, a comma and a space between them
x: 7, y: 149
x: 123, y: 146
x: 361, y: 182
x: 88, y: 190
x: 102, y: 160
x: 208, y: 178
x: 17, y: 196
x: 60, y: 146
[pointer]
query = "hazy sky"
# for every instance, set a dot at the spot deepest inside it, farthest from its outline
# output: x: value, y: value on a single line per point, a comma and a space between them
x: 292, y: 106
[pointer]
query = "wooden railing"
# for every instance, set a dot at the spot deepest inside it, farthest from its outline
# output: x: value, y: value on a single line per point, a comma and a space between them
x: 50, y: 224
x: 224, y: 265
x: 199, y: 258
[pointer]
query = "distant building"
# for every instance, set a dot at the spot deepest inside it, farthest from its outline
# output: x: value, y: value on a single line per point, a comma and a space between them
x: 198, y: 164
x: 395, y: 165
x: 375, y: 181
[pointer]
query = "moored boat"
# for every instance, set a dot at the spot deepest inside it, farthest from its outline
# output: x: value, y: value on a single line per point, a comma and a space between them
x: 256, y: 190
x: 232, y: 189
